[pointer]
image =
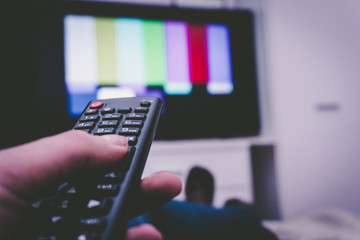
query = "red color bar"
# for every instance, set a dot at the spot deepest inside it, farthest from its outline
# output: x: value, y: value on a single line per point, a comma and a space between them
x: 198, y: 65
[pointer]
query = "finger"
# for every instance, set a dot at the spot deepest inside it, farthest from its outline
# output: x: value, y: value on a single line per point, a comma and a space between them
x: 27, y: 168
x: 143, y: 232
x: 156, y: 190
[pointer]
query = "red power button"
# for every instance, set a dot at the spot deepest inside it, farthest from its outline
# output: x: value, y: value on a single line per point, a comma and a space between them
x: 96, y: 105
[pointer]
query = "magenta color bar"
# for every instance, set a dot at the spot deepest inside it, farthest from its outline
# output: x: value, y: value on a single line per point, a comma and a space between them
x: 176, y: 39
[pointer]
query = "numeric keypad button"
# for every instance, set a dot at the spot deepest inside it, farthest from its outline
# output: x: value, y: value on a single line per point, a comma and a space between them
x: 84, y: 125
x: 108, y: 123
x: 136, y: 116
x: 112, y: 116
x: 129, y: 131
x: 132, y: 123
x: 102, y: 131
x: 89, y: 118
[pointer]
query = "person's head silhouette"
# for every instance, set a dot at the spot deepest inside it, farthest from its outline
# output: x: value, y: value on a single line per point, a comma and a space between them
x: 199, y: 186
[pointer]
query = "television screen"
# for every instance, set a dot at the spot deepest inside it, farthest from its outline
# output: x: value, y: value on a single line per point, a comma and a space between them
x: 200, y: 62
x: 110, y: 57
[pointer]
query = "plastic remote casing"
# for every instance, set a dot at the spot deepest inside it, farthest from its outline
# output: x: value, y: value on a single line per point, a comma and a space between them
x: 96, y: 207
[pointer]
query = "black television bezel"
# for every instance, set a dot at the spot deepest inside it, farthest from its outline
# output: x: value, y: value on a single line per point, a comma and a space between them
x: 233, y: 115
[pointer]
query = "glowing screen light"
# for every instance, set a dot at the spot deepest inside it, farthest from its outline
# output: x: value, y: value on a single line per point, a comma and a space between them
x: 138, y: 54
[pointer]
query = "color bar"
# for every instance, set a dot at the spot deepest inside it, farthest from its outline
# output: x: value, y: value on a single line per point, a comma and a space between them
x: 176, y: 41
x: 130, y: 52
x: 154, y: 44
x: 106, y: 50
x: 80, y: 54
x: 198, y: 54
x: 219, y: 59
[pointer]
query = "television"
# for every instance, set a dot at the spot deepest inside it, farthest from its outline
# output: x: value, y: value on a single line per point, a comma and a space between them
x: 200, y: 62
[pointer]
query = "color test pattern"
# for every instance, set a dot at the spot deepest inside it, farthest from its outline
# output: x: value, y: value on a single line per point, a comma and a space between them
x: 136, y: 53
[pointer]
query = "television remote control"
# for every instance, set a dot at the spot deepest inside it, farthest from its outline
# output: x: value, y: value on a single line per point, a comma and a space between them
x: 95, y: 207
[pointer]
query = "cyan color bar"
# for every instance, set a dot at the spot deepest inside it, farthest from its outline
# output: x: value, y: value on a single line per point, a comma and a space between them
x: 176, y: 40
x: 130, y: 54
x: 219, y: 60
x: 80, y: 54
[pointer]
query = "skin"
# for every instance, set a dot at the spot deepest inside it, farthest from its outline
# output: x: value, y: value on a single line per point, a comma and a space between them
x: 29, y: 169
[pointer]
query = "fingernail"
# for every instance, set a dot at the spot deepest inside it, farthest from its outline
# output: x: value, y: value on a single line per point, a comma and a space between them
x: 116, y: 139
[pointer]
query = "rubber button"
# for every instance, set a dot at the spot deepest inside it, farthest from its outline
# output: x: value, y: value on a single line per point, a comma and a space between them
x: 145, y: 103
x: 96, y: 105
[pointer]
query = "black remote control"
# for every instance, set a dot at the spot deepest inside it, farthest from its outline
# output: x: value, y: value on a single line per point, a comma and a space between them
x: 95, y: 207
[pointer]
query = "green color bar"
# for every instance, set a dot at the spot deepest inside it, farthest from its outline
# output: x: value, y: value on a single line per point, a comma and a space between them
x: 106, y: 51
x: 154, y: 52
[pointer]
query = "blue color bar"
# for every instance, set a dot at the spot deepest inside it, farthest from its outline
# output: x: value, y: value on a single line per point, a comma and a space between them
x: 219, y: 60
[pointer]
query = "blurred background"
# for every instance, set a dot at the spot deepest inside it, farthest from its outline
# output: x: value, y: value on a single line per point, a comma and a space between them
x: 300, y: 153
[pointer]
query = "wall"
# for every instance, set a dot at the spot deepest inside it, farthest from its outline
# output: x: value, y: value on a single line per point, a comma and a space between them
x: 313, y: 64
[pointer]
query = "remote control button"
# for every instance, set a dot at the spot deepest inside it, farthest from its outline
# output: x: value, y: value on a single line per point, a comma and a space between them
x: 96, y: 224
x: 36, y: 205
x: 113, y: 177
x: 124, y: 109
x: 129, y: 131
x: 107, y: 189
x: 109, y: 123
x: 89, y: 118
x: 141, y: 109
x: 72, y: 190
x: 96, y: 105
x: 87, y: 236
x: 84, y: 125
x: 56, y: 220
x: 132, y: 140
x: 91, y: 111
x: 132, y: 123
x: 113, y: 116
x: 65, y: 205
x: 101, y: 131
x: 145, y: 103
x: 95, y: 206
x: 136, y: 116
x: 108, y: 110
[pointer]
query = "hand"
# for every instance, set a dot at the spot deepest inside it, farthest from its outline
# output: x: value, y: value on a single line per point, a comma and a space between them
x: 28, y: 169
